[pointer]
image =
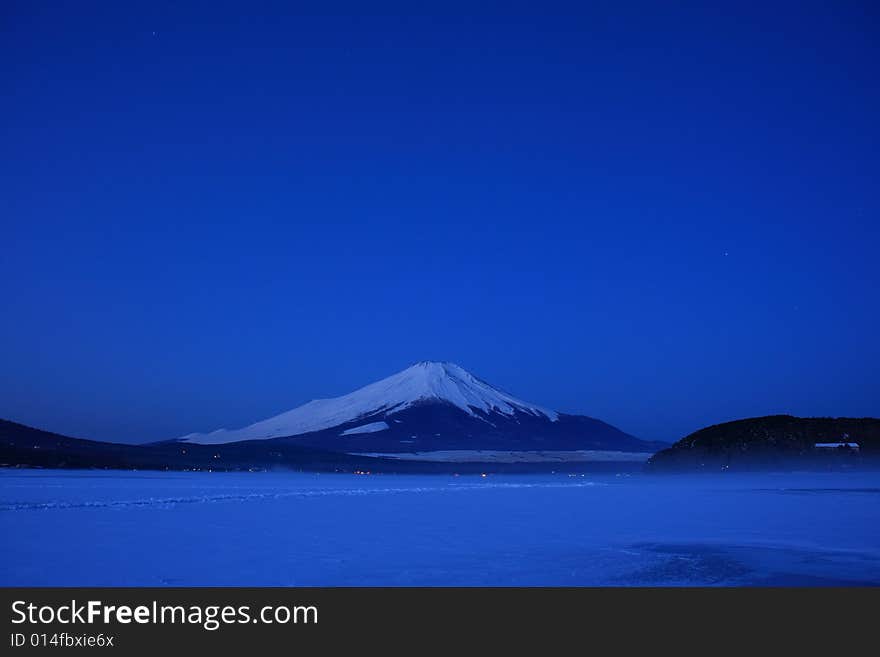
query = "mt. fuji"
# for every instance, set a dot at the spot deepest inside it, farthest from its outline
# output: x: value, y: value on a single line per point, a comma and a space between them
x: 430, y: 406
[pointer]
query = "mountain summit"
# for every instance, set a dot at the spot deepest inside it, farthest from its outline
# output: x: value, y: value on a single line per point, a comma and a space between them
x: 430, y: 406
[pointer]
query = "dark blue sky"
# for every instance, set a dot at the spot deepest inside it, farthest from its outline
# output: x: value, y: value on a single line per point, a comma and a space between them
x: 662, y: 218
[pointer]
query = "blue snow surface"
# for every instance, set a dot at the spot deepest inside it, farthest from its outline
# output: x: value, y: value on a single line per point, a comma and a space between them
x: 107, y: 528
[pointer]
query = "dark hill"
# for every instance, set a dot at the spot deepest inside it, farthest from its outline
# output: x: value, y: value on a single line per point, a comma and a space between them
x: 773, y: 442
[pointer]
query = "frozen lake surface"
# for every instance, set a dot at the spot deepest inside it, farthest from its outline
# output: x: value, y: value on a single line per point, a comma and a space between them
x: 108, y: 528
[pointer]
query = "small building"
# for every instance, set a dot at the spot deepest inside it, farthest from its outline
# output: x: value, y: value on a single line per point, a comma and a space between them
x: 841, y: 444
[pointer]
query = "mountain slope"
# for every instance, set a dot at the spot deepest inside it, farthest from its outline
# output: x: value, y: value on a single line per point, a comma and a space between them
x: 435, y: 425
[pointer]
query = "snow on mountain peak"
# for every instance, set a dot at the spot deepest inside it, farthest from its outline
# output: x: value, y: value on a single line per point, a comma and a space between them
x: 424, y: 381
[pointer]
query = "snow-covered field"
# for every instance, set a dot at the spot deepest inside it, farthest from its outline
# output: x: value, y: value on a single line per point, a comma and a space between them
x: 149, y: 528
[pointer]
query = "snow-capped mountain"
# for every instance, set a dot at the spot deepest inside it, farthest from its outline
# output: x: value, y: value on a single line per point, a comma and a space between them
x: 430, y: 406
x: 427, y: 381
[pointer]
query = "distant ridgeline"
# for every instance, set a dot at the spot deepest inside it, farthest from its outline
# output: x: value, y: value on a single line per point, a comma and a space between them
x: 778, y: 442
x: 775, y: 442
